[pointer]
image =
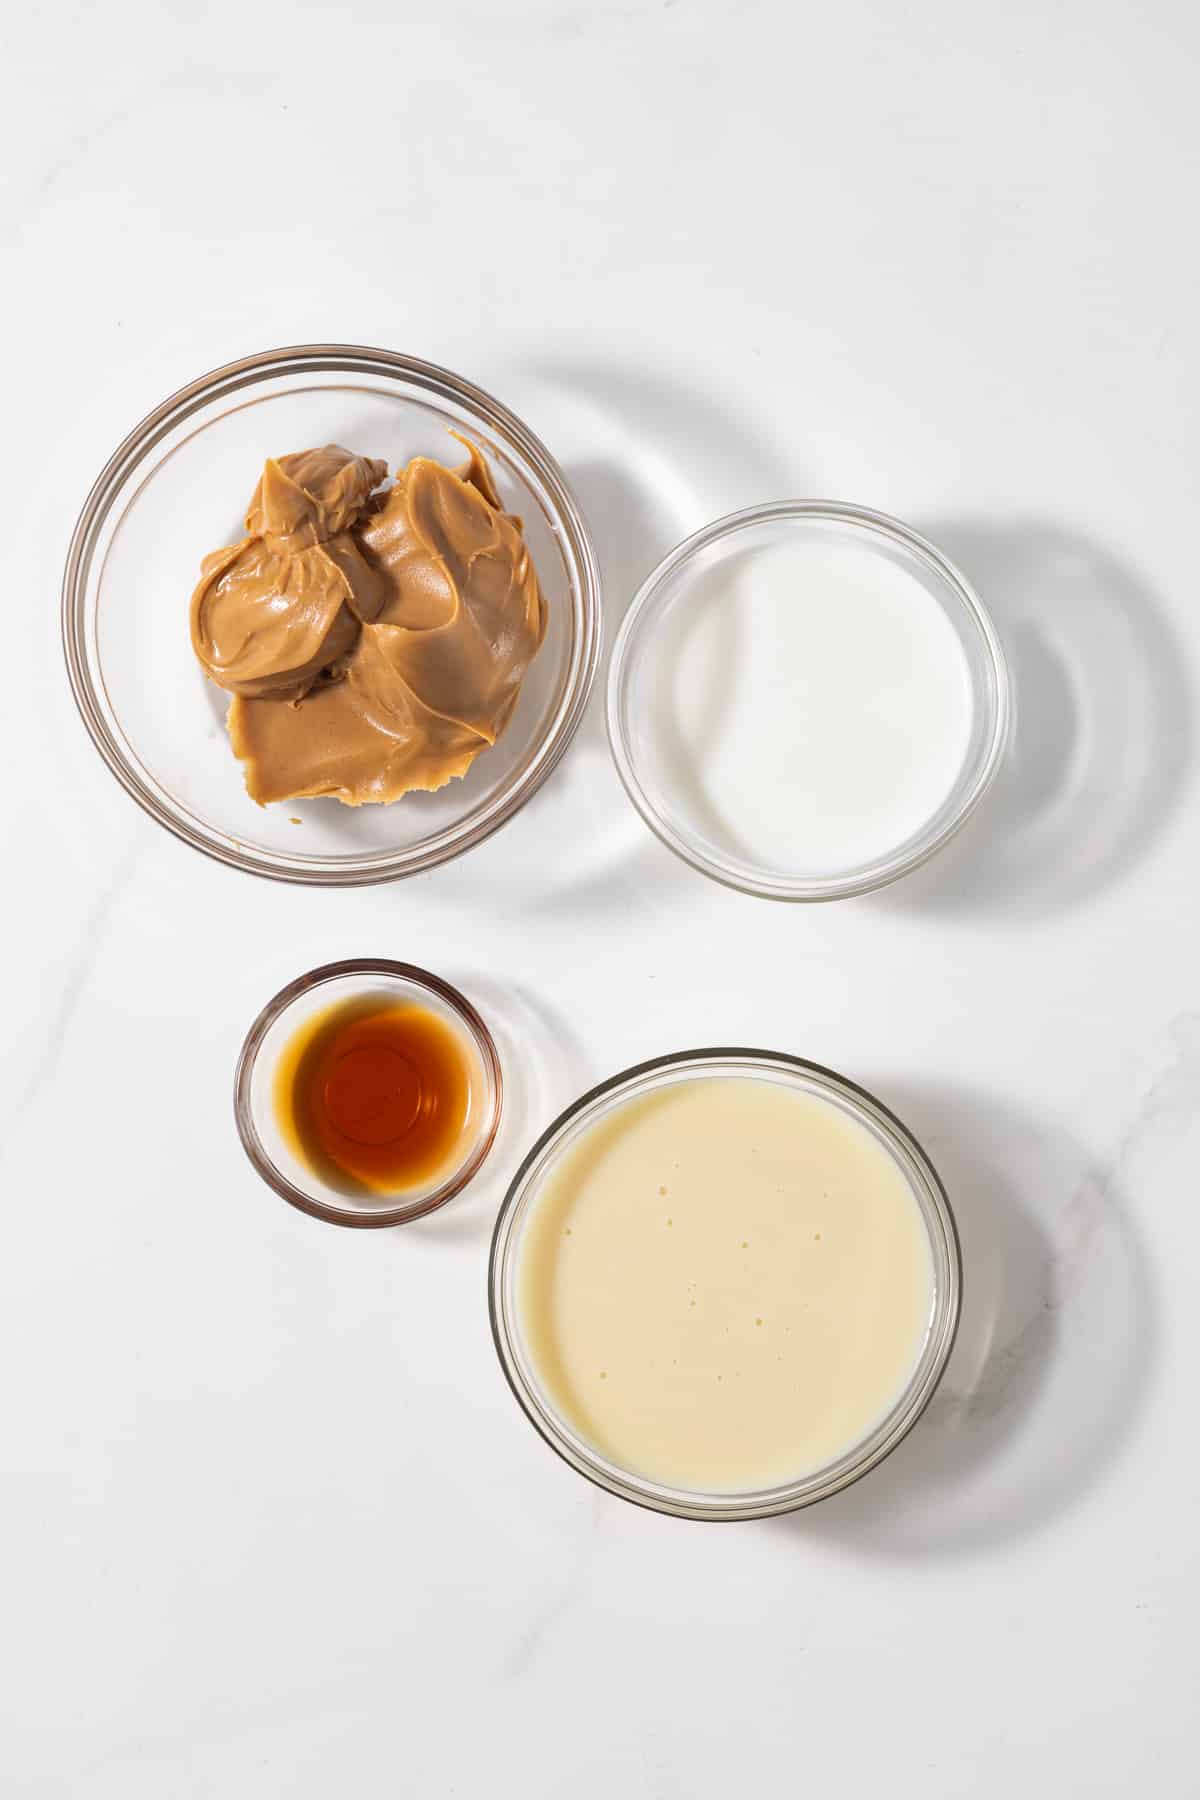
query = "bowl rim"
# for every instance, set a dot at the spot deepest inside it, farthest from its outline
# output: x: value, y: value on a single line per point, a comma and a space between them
x: 229, y: 379
x: 274, y: 1010
x: 887, y: 868
x: 821, y: 1484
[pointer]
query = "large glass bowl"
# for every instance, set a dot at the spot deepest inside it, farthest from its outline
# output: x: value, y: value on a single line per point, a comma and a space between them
x: 601, y: 1103
x: 176, y: 488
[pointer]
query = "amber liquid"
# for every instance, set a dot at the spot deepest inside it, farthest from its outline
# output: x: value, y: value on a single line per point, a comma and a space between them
x: 375, y: 1096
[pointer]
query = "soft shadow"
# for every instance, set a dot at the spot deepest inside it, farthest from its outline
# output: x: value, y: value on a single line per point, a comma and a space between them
x: 1103, y: 738
x: 1055, y: 1351
x: 674, y: 459
x: 661, y: 460
x: 544, y: 1067
x: 632, y: 529
x: 584, y: 803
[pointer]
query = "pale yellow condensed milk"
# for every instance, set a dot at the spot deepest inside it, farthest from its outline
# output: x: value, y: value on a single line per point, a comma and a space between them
x: 725, y: 1285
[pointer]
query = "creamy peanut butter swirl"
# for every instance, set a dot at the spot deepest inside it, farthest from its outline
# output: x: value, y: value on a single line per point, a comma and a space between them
x: 373, y: 643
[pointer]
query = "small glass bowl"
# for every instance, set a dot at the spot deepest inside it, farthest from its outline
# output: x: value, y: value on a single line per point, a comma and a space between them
x: 634, y: 702
x: 174, y: 490
x: 274, y: 1029
x: 645, y: 1078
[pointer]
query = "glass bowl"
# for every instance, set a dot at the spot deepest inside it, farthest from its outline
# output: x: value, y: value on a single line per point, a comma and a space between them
x: 646, y: 658
x: 547, y: 1154
x: 174, y: 490
x: 274, y: 1030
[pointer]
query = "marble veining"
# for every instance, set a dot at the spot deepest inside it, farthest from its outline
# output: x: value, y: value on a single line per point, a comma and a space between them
x: 273, y: 1524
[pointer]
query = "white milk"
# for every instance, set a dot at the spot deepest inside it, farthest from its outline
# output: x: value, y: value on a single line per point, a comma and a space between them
x: 725, y: 1285
x: 811, y: 705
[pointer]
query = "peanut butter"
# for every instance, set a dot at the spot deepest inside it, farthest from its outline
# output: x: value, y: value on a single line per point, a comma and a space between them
x: 372, y: 643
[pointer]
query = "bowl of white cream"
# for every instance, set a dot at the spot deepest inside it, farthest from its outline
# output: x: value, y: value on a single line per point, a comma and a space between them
x: 807, y: 700
x: 725, y: 1283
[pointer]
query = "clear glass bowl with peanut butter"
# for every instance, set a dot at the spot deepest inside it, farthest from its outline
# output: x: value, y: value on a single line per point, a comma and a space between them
x: 444, y: 687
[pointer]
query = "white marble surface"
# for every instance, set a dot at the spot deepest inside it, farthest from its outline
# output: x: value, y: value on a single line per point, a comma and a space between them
x: 271, y: 1523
